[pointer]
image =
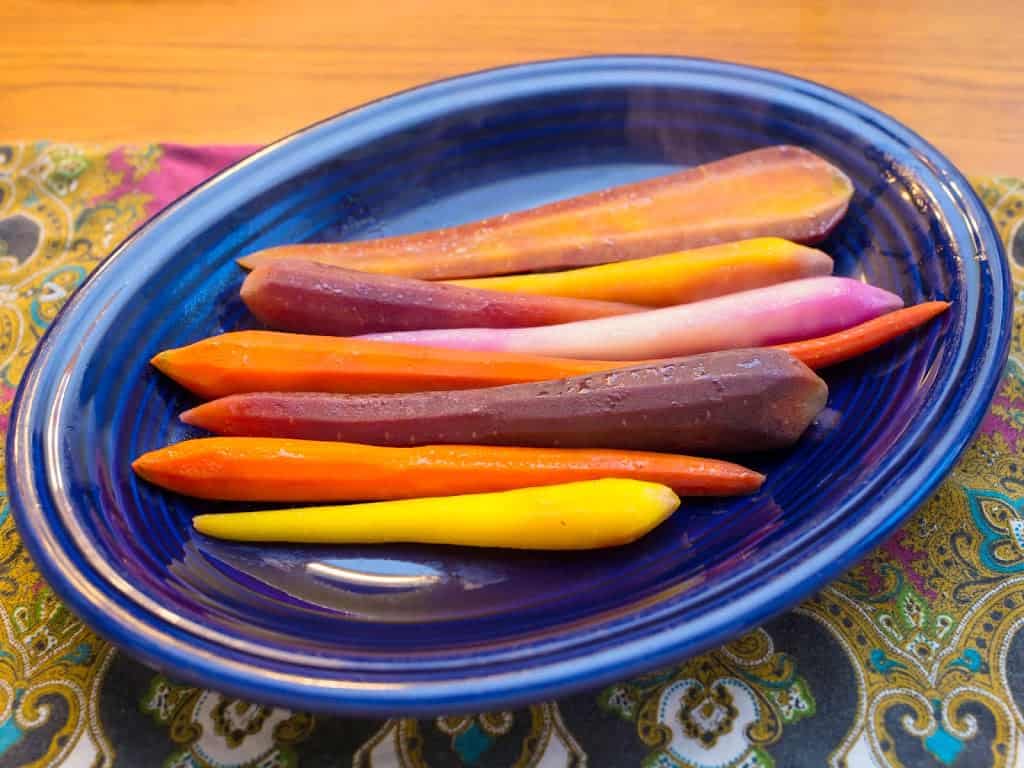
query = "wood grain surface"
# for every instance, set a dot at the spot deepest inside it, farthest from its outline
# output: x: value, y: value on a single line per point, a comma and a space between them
x: 250, y: 72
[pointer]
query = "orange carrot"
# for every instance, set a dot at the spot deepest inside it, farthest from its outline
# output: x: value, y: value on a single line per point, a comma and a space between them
x: 278, y: 469
x: 778, y: 191
x: 839, y: 347
x: 265, y: 361
x: 268, y: 361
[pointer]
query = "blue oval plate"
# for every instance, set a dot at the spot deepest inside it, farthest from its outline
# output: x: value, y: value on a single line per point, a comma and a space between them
x: 410, y: 629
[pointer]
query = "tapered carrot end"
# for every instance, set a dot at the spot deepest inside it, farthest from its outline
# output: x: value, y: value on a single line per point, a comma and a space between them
x: 839, y: 347
x: 216, y: 526
x: 169, y: 363
x: 878, y: 300
x: 266, y: 256
x: 749, y: 481
x: 211, y: 416
x: 146, y: 465
x: 724, y: 478
x: 162, y: 360
x: 280, y: 526
x: 186, y: 366
x: 814, y: 263
x: 250, y: 284
x: 193, y: 417
x: 254, y: 295
x: 229, y: 525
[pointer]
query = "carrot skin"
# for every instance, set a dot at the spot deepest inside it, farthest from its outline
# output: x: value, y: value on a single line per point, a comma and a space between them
x: 860, y: 339
x: 794, y: 310
x: 584, y: 515
x: 269, y: 361
x: 674, y: 278
x: 273, y: 469
x: 306, y: 297
x: 724, y: 402
x: 780, y: 191
x: 266, y: 361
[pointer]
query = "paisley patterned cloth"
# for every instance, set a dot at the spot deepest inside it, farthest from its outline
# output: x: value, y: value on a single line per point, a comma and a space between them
x: 913, y: 658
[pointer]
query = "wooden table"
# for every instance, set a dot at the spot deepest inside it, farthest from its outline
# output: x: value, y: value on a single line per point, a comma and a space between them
x: 253, y: 70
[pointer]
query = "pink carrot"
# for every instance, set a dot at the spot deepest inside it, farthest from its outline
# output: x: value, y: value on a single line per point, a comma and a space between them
x: 800, y: 309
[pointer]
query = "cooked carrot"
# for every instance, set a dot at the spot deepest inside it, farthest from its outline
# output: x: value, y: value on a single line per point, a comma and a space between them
x: 674, y: 278
x: 844, y: 345
x: 279, y: 469
x: 718, y: 403
x: 799, y: 309
x: 264, y: 361
x: 268, y: 361
x: 776, y: 191
x: 307, y: 297
x: 585, y: 515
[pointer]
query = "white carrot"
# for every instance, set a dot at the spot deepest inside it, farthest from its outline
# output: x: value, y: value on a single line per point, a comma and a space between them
x: 792, y: 311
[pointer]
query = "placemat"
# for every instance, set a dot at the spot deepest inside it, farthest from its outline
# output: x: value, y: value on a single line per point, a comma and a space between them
x: 913, y: 658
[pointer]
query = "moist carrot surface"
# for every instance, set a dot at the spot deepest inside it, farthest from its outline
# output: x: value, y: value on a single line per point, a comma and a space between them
x: 585, y: 515
x: 860, y: 339
x: 268, y: 361
x: 780, y: 191
x: 274, y: 469
x: 719, y: 403
x: 798, y: 309
x: 307, y: 297
x: 674, y: 278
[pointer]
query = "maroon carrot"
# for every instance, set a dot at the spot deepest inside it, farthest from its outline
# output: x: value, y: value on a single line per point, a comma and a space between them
x: 723, y: 402
x: 306, y: 297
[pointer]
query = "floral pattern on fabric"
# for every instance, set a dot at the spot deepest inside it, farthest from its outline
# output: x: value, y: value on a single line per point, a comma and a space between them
x: 913, y: 658
x: 218, y: 731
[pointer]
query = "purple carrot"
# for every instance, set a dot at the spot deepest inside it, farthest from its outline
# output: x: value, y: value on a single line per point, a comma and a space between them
x: 721, y: 402
x: 306, y: 297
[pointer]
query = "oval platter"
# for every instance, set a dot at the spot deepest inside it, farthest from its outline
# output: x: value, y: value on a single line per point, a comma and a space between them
x: 425, y: 630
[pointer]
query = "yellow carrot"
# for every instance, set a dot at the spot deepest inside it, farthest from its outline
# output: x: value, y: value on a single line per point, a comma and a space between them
x: 674, y: 278
x: 584, y: 515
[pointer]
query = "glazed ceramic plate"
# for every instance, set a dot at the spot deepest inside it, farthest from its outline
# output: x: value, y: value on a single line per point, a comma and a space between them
x: 426, y: 629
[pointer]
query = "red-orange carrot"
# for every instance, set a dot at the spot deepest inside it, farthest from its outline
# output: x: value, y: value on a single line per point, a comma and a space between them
x: 265, y: 361
x: 839, y: 347
x: 278, y: 469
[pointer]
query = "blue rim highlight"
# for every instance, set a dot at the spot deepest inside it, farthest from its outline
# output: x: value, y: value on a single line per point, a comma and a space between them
x: 926, y: 453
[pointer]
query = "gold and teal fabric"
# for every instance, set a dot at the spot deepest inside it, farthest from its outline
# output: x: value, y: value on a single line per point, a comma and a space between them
x: 913, y: 658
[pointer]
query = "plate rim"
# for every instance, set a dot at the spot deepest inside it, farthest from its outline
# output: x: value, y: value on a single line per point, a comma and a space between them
x: 589, y: 669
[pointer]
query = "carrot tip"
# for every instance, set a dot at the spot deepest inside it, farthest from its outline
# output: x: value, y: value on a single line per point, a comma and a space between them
x: 159, y: 361
x: 201, y: 524
x: 747, y: 481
